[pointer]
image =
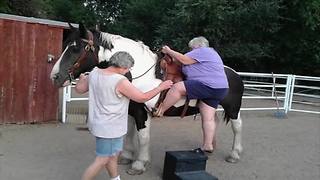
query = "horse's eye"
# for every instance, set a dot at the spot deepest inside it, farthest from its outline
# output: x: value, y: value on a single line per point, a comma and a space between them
x: 75, y: 48
x: 72, y: 44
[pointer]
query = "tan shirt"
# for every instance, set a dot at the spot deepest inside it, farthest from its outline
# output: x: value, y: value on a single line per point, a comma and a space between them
x: 108, y: 110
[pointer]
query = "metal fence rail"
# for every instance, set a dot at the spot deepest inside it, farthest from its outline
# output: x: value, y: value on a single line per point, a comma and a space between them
x: 272, y: 85
x: 301, y: 89
x: 67, y: 98
x: 285, y: 88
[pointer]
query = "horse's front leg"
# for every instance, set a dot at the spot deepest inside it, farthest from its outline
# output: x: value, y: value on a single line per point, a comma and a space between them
x: 234, y: 156
x: 138, y: 139
x: 143, y: 151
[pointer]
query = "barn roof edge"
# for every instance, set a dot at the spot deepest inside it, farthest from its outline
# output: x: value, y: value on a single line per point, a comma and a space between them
x: 36, y: 20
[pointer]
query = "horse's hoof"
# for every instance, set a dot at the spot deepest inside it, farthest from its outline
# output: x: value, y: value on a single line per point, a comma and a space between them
x: 124, y: 161
x: 230, y: 159
x: 134, y: 171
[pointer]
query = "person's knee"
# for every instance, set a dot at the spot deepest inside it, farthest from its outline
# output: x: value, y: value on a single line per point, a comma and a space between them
x: 102, y: 161
x: 114, y: 157
x: 179, y: 88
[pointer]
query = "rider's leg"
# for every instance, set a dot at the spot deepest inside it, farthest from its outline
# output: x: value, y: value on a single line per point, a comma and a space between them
x: 174, y: 95
x: 208, y: 125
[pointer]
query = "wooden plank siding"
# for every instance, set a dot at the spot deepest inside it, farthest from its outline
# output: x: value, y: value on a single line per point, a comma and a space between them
x: 26, y: 92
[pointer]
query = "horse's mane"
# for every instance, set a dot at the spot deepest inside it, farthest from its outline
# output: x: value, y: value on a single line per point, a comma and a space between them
x: 107, y: 41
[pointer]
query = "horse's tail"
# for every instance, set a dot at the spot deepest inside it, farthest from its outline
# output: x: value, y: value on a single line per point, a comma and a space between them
x: 232, y: 112
x: 231, y: 105
x: 226, y: 117
x: 232, y: 102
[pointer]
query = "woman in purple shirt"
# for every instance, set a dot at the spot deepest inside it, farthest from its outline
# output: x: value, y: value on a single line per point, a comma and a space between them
x: 205, y: 81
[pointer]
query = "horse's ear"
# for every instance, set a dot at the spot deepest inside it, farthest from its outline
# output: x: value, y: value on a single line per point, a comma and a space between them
x: 160, y: 54
x: 70, y: 25
x: 97, y: 27
x: 83, y: 30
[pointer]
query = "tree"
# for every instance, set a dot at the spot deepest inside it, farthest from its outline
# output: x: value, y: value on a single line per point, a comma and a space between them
x: 140, y: 19
x: 31, y: 8
x: 298, y: 45
x: 250, y: 35
x: 241, y: 31
x: 4, y: 6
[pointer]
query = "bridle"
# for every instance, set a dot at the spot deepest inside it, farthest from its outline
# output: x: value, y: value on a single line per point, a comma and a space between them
x: 82, y: 58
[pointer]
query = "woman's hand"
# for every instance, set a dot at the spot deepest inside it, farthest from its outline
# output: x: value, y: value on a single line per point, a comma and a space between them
x: 165, y: 49
x: 82, y: 85
x: 165, y: 85
x: 82, y: 76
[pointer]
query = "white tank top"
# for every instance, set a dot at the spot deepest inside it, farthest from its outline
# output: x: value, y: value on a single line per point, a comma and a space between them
x: 108, y: 110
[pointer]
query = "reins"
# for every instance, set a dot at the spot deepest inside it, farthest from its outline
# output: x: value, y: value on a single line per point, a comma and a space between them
x: 145, y: 72
x: 159, y: 59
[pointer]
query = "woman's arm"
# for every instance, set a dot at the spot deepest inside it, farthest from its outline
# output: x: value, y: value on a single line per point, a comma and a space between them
x: 180, y: 57
x: 82, y: 85
x: 126, y: 88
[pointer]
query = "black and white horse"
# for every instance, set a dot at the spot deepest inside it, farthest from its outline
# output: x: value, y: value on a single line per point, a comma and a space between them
x: 84, y: 49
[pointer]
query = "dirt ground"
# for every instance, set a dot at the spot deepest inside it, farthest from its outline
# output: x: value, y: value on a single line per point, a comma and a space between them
x: 274, y: 149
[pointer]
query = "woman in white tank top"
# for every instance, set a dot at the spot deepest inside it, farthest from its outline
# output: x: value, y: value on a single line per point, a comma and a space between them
x: 109, y: 95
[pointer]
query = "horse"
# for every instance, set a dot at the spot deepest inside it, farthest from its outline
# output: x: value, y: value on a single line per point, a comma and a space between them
x: 85, y: 49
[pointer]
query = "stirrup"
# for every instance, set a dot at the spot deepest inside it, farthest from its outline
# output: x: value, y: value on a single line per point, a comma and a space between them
x: 156, y: 112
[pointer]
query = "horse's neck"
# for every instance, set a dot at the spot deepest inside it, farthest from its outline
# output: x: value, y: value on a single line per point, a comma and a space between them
x: 111, y: 43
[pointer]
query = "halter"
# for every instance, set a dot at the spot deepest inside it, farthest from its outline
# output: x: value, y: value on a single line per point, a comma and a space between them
x: 88, y: 48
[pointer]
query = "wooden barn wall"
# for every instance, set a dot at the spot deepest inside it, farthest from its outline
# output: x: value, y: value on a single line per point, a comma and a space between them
x: 26, y: 92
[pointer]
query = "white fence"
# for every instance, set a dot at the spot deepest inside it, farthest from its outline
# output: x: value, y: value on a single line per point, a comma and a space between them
x: 305, y: 90
x: 267, y: 86
x: 285, y: 89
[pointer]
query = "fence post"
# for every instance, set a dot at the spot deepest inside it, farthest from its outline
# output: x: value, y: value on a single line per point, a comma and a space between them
x: 64, y: 104
x: 293, y: 82
x: 66, y: 97
x: 274, y: 85
x: 287, y: 94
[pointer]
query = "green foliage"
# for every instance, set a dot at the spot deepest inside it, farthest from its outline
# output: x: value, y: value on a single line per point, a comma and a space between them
x: 4, y: 6
x: 241, y: 31
x: 298, y: 42
x: 72, y: 11
x: 32, y: 8
x: 139, y: 19
x: 280, y: 36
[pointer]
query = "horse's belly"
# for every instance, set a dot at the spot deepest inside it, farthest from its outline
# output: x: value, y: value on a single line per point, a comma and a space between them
x: 146, y: 85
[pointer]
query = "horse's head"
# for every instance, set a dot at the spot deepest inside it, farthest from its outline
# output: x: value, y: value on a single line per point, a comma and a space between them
x: 80, y: 55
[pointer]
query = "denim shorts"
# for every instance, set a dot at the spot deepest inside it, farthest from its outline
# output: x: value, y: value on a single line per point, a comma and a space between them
x: 108, y: 146
x: 210, y: 96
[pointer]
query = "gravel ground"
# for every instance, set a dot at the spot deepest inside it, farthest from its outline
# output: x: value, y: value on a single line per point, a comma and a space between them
x: 274, y: 149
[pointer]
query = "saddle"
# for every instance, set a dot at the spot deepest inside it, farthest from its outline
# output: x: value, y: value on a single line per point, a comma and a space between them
x: 171, y: 71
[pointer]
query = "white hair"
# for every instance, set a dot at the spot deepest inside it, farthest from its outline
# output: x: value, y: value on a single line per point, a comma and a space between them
x: 121, y: 59
x: 198, y: 42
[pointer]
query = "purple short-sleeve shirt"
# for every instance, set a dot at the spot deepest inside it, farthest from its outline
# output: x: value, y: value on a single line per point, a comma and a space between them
x: 209, y: 68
